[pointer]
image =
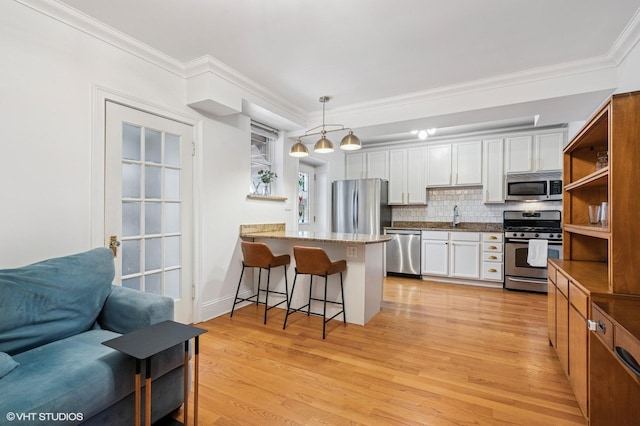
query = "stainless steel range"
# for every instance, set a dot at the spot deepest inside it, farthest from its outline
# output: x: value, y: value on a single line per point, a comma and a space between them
x: 519, y: 228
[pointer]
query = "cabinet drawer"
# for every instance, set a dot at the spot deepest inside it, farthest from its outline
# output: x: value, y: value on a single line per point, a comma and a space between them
x: 435, y: 235
x: 562, y: 283
x: 492, y: 247
x: 579, y: 300
x: 491, y: 271
x: 465, y: 236
x: 605, y: 327
x: 491, y: 257
x: 492, y: 238
x: 626, y: 341
x: 551, y: 272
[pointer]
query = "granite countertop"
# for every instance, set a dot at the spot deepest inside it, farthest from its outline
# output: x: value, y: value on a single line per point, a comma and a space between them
x: 448, y: 226
x: 278, y: 231
x: 330, y: 237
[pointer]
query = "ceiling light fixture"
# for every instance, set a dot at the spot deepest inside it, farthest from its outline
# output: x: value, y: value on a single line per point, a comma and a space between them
x: 422, y: 134
x: 349, y: 143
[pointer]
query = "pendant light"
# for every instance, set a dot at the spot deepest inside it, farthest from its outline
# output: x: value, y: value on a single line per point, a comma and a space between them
x: 323, y: 146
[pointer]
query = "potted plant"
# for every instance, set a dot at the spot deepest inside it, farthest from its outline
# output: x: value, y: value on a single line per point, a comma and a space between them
x: 266, y: 176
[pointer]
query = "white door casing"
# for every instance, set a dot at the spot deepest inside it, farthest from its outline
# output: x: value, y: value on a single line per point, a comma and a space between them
x: 148, y: 203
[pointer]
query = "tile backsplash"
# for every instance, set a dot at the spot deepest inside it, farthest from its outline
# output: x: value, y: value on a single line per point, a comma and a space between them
x: 440, y: 204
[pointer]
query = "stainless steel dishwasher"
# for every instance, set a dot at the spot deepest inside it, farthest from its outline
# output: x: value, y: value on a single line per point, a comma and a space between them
x: 403, y: 252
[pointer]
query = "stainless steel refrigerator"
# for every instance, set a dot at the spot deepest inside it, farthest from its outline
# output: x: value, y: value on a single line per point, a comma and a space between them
x: 359, y: 206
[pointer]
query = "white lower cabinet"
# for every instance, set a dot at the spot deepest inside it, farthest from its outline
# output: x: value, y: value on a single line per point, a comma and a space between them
x: 492, y: 257
x: 462, y: 255
x: 435, y: 253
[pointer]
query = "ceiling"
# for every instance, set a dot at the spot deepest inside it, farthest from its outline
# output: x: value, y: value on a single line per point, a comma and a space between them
x: 370, y: 54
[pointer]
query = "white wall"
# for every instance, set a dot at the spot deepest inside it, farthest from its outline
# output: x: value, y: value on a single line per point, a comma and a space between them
x: 629, y: 71
x: 47, y: 75
x: 50, y: 72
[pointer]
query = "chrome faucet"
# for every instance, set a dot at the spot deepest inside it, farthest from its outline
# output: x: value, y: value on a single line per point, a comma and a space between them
x: 456, y: 216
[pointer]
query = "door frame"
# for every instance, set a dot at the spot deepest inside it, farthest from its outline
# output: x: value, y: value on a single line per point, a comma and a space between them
x: 100, y: 95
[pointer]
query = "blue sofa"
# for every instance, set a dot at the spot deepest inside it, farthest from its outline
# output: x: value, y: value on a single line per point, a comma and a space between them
x: 54, y: 369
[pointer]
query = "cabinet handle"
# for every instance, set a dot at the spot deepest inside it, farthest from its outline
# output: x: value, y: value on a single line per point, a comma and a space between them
x: 602, y: 327
x: 493, y: 270
x: 493, y: 237
x: 493, y: 248
x: 493, y: 258
x: 628, y: 360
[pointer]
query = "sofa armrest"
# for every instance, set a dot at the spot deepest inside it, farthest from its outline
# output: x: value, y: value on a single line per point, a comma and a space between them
x: 127, y: 310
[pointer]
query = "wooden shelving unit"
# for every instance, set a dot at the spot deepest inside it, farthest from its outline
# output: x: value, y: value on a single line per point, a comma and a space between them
x: 614, y: 128
x: 599, y: 261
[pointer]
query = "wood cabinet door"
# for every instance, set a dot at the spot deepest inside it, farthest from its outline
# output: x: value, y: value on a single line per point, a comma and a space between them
x: 562, y: 330
x: 578, y: 346
x: 551, y: 312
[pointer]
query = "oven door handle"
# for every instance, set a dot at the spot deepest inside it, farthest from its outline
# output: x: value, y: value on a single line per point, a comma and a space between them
x: 554, y: 243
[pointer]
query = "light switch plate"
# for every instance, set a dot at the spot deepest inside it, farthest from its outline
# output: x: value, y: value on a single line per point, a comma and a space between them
x: 352, y: 251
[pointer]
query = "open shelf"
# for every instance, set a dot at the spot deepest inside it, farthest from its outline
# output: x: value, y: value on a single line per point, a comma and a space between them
x: 595, y: 231
x: 597, y: 178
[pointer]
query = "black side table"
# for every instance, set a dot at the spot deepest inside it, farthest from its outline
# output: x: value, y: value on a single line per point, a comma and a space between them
x: 144, y: 343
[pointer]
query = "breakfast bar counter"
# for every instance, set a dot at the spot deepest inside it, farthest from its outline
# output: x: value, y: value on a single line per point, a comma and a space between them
x: 362, y: 280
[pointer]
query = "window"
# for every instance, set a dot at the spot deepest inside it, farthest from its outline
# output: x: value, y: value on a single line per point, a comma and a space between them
x: 303, y: 197
x: 262, y: 146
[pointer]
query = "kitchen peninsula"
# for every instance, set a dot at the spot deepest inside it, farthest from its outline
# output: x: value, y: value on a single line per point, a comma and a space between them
x: 365, y: 266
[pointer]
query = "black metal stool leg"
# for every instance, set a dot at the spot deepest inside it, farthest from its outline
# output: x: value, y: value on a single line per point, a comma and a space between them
x: 293, y: 288
x: 266, y: 295
x: 286, y: 286
x: 235, y: 301
x: 324, y: 310
x: 258, y: 292
x: 344, y: 315
x: 310, y: 292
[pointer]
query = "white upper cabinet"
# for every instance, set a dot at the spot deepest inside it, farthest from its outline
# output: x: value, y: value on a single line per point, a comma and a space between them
x: 548, y: 151
x: 364, y: 165
x: 457, y: 164
x: 493, y: 170
x: 539, y: 153
x: 439, y: 165
x: 407, y: 176
x: 467, y: 163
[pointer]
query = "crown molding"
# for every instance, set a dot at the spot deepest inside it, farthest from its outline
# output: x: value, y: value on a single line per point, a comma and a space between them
x: 69, y: 16
x: 626, y: 41
x: 208, y: 63
x: 475, y: 86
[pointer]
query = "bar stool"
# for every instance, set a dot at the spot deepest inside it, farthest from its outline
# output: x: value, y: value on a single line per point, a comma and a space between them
x: 258, y: 255
x: 314, y: 261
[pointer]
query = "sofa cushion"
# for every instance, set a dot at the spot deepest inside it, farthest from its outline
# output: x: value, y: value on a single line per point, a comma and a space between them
x: 77, y: 375
x: 7, y: 364
x: 53, y: 299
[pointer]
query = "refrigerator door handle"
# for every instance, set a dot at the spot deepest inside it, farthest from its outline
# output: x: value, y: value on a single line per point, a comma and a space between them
x: 355, y: 211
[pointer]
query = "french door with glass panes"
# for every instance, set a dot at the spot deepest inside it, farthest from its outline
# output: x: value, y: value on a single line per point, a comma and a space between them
x: 148, y: 203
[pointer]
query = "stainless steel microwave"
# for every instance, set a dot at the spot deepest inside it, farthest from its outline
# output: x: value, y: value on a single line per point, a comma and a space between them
x: 534, y: 187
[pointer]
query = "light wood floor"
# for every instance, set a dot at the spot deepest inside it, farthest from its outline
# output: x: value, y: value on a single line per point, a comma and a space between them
x: 437, y: 354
